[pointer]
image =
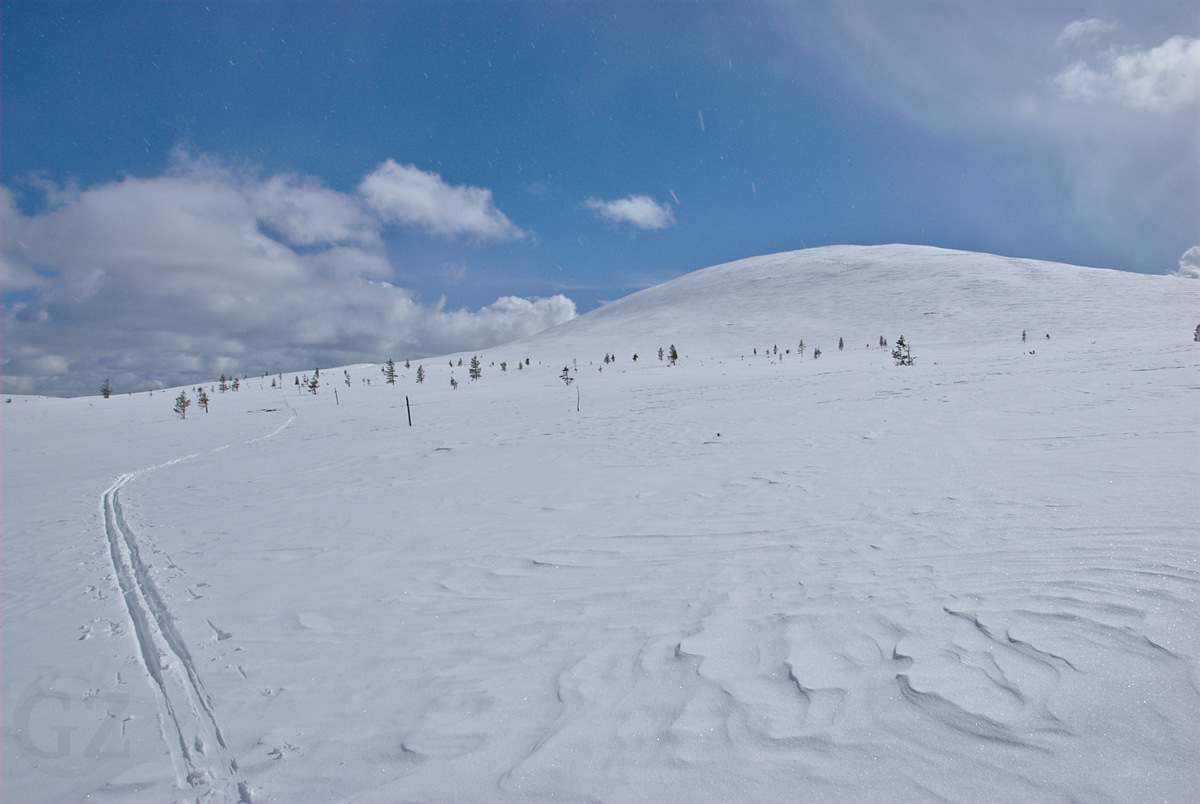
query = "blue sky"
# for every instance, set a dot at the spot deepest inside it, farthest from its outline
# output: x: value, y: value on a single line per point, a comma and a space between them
x: 191, y: 189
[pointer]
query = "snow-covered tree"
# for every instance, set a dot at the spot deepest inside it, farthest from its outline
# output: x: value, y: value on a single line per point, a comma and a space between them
x: 475, y: 371
x: 841, y: 344
x: 202, y: 398
x: 672, y: 356
x: 816, y: 353
x: 223, y: 384
x: 420, y: 374
x: 389, y: 371
x: 1196, y: 338
x: 106, y: 389
x: 902, y: 353
x: 566, y: 375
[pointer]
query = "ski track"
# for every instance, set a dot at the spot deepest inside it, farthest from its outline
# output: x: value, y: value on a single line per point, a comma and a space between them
x: 188, y: 720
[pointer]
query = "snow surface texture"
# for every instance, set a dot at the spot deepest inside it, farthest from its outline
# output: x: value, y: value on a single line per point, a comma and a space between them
x: 742, y: 577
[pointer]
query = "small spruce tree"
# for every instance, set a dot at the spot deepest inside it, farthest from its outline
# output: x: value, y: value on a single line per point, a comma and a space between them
x: 420, y: 374
x: 181, y: 404
x: 223, y: 385
x: 202, y: 398
x: 476, y: 371
x: 389, y: 371
x: 566, y: 375
x: 1196, y: 337
x: 816, y: 353
x: 673, y: 355
x: 902, y: 353
x: 841, y: 344
x: 106, y: 389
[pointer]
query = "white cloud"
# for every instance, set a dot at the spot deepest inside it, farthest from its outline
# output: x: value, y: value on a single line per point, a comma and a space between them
x: 506, y: 319
x: 640, y: 211
x: 304, y: 213
x: 407, y: 195
x: 1189, y: 263
x: 1084, y: 30
x: 173, y: 279
x: 1161, y: 79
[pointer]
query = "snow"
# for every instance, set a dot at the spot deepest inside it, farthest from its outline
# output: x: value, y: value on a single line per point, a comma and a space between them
x: 742, y: 577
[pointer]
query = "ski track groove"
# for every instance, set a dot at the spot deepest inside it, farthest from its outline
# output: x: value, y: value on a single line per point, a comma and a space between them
x: 187, y: 716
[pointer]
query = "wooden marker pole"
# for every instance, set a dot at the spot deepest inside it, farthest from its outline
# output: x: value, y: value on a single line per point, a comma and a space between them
x: 408, y: 407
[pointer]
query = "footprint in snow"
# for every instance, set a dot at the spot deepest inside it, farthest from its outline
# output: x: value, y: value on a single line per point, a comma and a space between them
x: 221, y: 635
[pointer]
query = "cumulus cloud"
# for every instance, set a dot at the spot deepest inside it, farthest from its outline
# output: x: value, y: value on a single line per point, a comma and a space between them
x: 407, y: 195
x: 1160, y: 79
x: 174, y: 279
x: 640, y: 211
x: 1189, y: 263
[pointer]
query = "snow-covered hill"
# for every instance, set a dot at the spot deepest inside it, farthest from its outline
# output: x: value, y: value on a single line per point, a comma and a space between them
x: 747, y: 576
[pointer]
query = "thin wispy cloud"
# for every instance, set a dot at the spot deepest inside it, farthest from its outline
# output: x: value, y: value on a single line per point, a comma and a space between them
x: 1109, y: 107
x: 1084, y: 30
x: 207, y: 270
x: 639, y: 211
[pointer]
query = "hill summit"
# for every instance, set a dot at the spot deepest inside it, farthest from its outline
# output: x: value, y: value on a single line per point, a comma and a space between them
x: 862, y: 292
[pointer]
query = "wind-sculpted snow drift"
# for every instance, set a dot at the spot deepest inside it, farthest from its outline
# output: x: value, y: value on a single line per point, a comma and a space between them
x: 749, y: 576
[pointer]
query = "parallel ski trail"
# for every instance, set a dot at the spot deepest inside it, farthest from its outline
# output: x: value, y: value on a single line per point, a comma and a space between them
x: 188, y: 719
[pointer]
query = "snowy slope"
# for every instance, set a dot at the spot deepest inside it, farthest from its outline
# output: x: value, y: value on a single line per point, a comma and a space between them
x: 742, y: 577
